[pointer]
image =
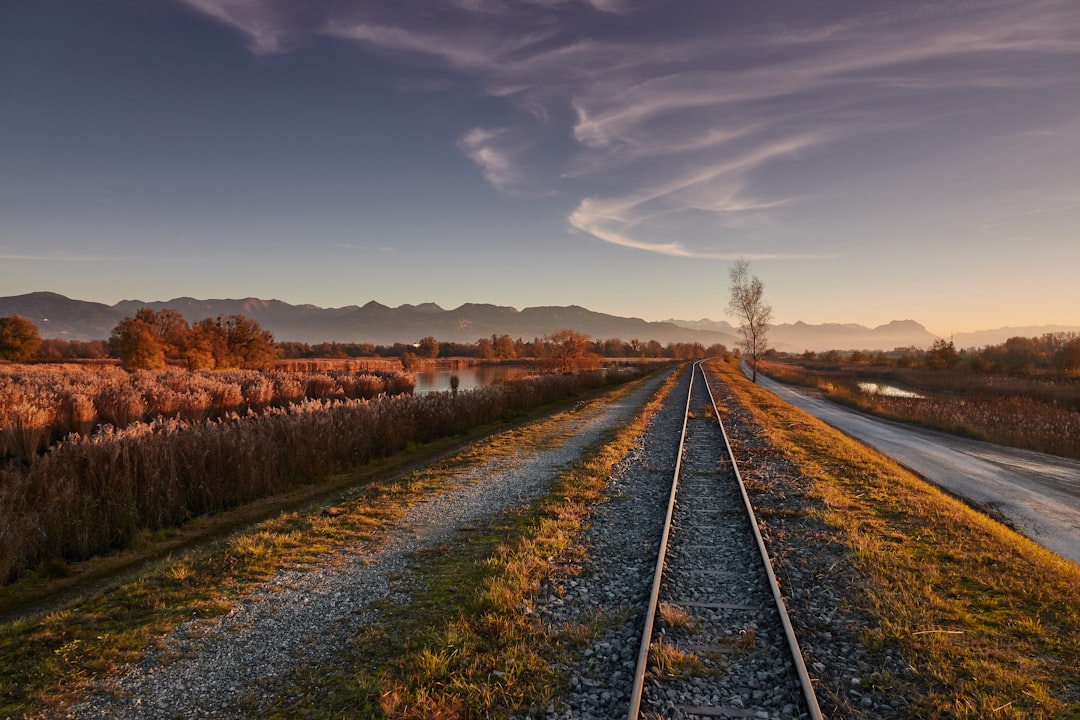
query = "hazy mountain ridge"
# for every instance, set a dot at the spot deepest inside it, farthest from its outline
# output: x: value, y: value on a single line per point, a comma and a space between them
x: 800, y: 336
x: 982, y: 338
x: 60, y: 317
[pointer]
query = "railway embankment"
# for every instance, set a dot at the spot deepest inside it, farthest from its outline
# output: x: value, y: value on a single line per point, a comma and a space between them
x: 509, y: 579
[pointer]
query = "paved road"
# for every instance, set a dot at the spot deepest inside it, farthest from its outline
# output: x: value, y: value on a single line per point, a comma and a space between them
x: 1037, y: 494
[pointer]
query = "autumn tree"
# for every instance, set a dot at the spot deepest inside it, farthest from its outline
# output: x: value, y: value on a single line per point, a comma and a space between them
x: 206, y: 345
x: 56, y: 349
x: 19, y: 338
x: 942, y: 354
x: 428, y: 347
x: 503, y: 346
x: 1067, y: 358
x: 150, y: 339
x: 250, y: 346
x: 613, y: 347
x: 232, y: 342
x: 1022, y: 352
x: 171, y: 328
x: 138, y: 345
x: 747, y: 304
x: 566, y: 351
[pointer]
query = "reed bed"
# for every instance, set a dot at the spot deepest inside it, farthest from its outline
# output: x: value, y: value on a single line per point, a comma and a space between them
x: 1015, y: 421
x: 42, y: 404
x: 1033, y: 414
x: 91, y: 494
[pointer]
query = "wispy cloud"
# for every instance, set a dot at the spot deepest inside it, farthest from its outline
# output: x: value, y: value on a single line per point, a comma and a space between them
x: 478, y: 51
x: 499, y: 7
x: 495, y: 163
x: 719, y: 189
x: 269, y: 29
x: 1045, y: 209
x: 686, y: 121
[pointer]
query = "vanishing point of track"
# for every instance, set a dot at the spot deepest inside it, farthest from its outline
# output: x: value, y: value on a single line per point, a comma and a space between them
x: 715, y: 601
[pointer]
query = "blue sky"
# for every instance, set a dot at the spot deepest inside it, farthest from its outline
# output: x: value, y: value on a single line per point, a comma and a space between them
x: 876, y: 161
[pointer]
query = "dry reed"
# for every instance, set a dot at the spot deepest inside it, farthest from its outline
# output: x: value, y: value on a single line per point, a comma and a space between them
x: 40, y: 405
x: 1034, y: 414
x: 91, y: 494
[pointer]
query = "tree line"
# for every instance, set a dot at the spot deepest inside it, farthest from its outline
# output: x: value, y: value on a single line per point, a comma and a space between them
x: 1057, y: 352
x: 153, y: 339
x: 500, y: 347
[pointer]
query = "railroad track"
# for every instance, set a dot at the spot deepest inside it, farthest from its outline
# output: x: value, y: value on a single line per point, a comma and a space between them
x: 715, y: 603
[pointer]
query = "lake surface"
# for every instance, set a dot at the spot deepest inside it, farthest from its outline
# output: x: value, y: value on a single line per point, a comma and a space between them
x: 890, y: 390
x: 469, y: 377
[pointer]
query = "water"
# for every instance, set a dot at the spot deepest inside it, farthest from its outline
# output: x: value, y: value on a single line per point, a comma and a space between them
x: 469, y: 377
x: 889, y: 390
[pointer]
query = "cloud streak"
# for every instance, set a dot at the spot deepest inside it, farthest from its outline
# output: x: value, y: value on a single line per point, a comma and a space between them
x: 653, y: 126
x: 267, y: 28
x: 495, y: 163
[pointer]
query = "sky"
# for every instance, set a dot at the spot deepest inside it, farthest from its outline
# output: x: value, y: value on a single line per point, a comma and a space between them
x: 875, y: 161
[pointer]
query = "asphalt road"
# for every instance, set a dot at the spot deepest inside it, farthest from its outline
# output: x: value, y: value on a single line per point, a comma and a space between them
x: 1036, y: 494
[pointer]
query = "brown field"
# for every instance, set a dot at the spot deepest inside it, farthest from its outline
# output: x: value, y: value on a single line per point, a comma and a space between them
x: 1034, y: 413
x: 41, y: 405
x: 92, y: 493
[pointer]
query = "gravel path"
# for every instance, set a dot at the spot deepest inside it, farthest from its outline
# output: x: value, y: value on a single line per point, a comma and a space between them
x: 227, y: 667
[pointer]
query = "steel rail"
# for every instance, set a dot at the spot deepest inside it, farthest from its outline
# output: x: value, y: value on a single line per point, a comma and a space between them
x: 654, y: 595
x: 793, y: 643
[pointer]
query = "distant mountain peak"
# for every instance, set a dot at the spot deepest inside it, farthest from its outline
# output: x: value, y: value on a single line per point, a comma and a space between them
x: 901, y: 324
x: 59, y: 316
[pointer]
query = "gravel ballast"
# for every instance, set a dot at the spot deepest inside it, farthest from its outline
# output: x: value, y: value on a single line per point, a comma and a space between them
x: 622, y: 540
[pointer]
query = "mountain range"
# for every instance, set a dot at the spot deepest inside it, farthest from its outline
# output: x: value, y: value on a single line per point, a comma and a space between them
x: 60, y: 317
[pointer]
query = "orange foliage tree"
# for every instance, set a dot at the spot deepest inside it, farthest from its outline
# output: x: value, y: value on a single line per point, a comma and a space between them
x: 19, y: 338
x: 150, y: 339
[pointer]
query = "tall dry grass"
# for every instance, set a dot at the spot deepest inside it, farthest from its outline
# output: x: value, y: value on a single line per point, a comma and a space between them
x: 1033, y: 414
x: 91, y: 494
x: 42, y: 404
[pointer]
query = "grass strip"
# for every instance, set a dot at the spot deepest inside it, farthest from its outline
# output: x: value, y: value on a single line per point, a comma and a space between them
x: 988, y: 620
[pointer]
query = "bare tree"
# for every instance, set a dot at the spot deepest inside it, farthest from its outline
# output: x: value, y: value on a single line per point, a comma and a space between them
x: 747, y: 304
